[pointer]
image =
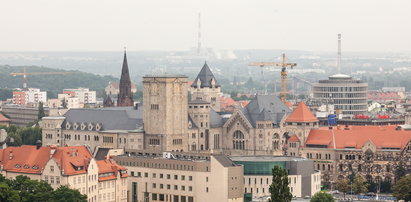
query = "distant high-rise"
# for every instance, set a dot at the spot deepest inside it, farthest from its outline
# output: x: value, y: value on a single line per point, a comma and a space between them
x: 125, y: 97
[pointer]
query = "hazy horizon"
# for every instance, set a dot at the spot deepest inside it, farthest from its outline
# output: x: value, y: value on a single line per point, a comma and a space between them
x: 48, y: 25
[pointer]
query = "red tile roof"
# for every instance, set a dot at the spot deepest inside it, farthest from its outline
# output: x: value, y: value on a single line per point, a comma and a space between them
x: 73, y: 159
x: 294, y: 138
x: 357, y: 136
x: 301, y: 114
x: 3, y: 118
x: 109, y: 166
x: 24, y: 159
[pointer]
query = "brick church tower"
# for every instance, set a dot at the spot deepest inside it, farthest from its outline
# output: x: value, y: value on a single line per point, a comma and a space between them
x: 125, y: 97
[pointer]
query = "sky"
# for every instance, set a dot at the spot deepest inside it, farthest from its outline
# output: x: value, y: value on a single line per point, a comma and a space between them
x: 109, y: 25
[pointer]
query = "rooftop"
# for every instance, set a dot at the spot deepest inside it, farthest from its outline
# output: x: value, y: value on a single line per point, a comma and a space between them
x: 301, y: 114
x: 355, y: 137
x: 266, y: 158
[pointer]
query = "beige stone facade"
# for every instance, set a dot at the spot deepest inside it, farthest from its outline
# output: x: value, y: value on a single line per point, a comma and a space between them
x: 182, y: 177
x: 165, y: 112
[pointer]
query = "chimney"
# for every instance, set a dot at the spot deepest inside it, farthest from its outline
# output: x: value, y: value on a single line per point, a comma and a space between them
x: 11, y: 155
x: 38, y: 144
x: 72, y: 151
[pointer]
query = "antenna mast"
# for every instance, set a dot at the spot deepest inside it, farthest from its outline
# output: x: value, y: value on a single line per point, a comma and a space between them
x: 199, y: 34
x: 339, y: 55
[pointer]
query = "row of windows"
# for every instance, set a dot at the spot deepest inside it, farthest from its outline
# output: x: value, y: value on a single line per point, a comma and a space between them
x: 108, y: 139
x: 318, y: 156
x: 154, y: 106
x: 166, y: 197
x: 153, y: 141
x: 177, y: 141
x: 158, y: 165
x: 201, y: 106
x: 378, y: 168
x: 182, y: 188
x: 161, y: 176
x: 46, y: 178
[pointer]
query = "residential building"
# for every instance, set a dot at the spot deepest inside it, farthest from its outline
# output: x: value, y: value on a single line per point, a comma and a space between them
x: 348, y: 95
x: 74, y: 166
x: 71, y: 101
x: 182, y: 177
x: 303, y: 179
x: 29, y: 96
x: 85, y: 95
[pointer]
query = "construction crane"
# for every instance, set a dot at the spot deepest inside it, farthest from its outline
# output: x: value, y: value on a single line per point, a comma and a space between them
x: 24, y: 74
x: 283, y: 66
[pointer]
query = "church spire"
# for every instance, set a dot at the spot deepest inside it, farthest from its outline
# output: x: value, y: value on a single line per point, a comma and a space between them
x: 125, y: 97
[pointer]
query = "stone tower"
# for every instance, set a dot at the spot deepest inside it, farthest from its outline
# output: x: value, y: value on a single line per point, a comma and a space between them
x: 125, y: 97
x: 165, y: 112
x: 205, y: 87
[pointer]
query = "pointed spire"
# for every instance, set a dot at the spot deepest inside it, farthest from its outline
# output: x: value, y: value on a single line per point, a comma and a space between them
x: 206, y: 77
x: 125, y: 97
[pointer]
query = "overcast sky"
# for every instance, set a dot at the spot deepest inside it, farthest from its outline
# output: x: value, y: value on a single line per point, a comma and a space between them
x: 102, y: 25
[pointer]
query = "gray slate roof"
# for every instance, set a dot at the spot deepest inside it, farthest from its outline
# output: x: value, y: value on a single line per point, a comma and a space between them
x: 205, y: 77
x: 265, y: 108
x: 216, y: 120
x: 112, y: 118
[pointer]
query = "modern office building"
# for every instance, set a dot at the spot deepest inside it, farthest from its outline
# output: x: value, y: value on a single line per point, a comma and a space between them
x: 304, y: 180
x: 348, y: 95
x: 182, y: 177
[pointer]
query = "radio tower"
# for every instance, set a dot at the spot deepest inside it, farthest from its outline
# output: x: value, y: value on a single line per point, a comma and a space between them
x: 339, y: 55
x: 199, y: 34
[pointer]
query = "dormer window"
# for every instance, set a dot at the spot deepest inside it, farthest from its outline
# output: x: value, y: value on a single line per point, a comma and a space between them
x: 90, y: 126
x: 98, y: 127
x: 35, y: 167
x: 75, y: 126
x: 26, y: 166
x: 17, y: 166
x: 68, y: 125
x: 83, y: 126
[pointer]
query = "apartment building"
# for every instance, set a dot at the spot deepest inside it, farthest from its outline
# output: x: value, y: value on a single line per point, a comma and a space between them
x: 30, y: 96
x: 182, y: 177
x: 85, y: 95
x: 102, y: 180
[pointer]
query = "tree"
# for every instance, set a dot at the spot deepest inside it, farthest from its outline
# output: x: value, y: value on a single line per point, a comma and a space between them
x: 322, y: 197
x: 41, y: 111
x: 279, y: 187
x: 386, y: 187
x: 343, y: 186
x: 64, y: 103
x: 400, y: 171
x: 402, y: 189
x: 66, y: 194
x: 359, y: 185
x: 24, y: 189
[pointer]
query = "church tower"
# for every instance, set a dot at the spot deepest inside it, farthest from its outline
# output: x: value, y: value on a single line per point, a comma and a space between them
x: 206, y: 88
x: 165, y: 112
x: 125, y: 97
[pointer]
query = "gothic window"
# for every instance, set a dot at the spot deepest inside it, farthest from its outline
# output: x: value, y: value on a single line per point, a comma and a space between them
x: 238, y: 140
x: 193, y: 147
x: 275, y: 145
x: 276, y: 136
x: 202, y: 147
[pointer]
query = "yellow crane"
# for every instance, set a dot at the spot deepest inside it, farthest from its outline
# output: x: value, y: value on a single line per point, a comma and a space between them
x: 283, y: 66
x: 24, y: 74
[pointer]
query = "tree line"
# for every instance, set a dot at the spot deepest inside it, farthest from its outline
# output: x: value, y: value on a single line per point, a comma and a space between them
x: 24, y: 189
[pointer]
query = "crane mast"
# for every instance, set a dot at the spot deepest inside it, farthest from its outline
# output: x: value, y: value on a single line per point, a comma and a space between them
x: 283, y: 66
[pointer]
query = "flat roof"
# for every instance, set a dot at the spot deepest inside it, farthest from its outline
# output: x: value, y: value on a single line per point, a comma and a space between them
x: 267, y: 158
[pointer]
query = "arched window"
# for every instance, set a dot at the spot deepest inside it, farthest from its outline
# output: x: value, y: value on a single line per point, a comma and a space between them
x: 193, y: 147
x: 276, y: 136
x: 238, y: 140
